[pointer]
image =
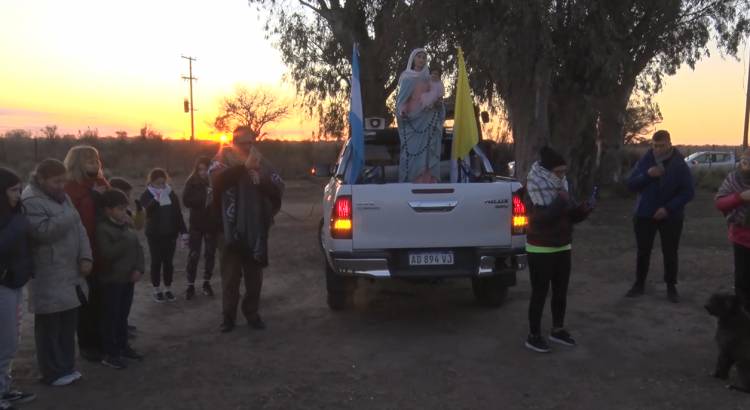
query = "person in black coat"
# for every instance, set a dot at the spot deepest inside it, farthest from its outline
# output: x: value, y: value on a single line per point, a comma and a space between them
x: 204, y: 226
x: 15, y: 272
x: 164, y: 224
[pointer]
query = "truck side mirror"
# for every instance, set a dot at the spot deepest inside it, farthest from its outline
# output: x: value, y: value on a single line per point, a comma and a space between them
x: 485, y: 117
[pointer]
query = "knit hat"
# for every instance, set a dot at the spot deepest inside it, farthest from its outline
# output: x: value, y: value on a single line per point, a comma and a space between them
x: 550, y: 159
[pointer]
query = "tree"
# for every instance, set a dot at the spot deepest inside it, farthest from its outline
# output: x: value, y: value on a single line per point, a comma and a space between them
x: 121, y: 134
x: 640, y: 117
x: 316, y: 40
x: 566, y: 68
x: 50, y: 132
x: 150, y: 133
x: 253, y: 108
x: 18, y: 134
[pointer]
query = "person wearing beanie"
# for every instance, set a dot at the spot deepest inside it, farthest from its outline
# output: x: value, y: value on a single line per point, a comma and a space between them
x: 733, y: 200
x: 552, y: 214
x: 664, y: 185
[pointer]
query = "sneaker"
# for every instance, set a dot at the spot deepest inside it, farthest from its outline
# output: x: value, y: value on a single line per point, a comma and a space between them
x: 132, y: 354
x: 114, y: 362
x: 169, y: 296
x: 18, y: 397
x: 190, y: 293
x: 64, y: 380
x: 257, y: 324
x: 635, y: 291
x: 226, y: 327
x: 158, y: 297
x: 5, y: 405
x: 562, y: 337
x: 92, y: 355
x: 537, y: 344
x: 207, y: 289
x: 672, y: 294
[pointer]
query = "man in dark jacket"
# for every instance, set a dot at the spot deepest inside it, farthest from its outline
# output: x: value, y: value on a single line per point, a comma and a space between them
x: 664, y: 186
x: 248, y: 192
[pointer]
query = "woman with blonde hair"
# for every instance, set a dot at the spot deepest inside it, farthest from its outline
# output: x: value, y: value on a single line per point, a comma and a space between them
x: 85, y: 184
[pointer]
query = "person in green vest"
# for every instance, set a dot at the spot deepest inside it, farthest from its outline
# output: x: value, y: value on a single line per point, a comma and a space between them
x: 552, y: 214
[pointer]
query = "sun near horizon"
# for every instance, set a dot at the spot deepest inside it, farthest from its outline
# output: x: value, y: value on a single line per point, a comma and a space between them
x: 85, y: 64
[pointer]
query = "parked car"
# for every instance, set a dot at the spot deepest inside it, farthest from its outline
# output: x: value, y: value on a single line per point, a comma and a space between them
x: 712, y: 160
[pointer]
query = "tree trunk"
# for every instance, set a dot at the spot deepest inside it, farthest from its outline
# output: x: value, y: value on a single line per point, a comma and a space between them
x: 372, y: 83
x: 611, y: 137
x: 573, y: 124
x: 528, y: 115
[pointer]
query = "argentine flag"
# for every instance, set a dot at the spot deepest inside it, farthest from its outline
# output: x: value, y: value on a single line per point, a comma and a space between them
x: 356, y: 124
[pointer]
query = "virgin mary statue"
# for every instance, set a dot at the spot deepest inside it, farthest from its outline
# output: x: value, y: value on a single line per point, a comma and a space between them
x: 420, y: 115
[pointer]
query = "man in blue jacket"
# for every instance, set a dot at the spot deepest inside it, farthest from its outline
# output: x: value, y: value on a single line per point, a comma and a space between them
x: 664, y: 186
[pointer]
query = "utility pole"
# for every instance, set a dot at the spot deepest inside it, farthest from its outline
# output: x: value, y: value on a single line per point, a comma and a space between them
x: 747, y: 111
x: 190, y: 78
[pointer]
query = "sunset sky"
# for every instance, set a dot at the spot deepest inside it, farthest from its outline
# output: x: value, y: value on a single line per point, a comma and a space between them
x: 116, y: 65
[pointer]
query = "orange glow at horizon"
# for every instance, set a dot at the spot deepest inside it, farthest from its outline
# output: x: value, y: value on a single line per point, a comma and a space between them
x: 67, y: 64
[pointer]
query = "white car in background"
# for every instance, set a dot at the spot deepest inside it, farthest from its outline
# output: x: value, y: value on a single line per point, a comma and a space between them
x: 712, y: 160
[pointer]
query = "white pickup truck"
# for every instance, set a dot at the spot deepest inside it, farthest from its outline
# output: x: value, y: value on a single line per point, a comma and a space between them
x: 379, y: 228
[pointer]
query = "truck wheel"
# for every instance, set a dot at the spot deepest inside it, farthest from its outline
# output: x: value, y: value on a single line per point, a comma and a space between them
x: 340, y: 290
x: 489, y: 292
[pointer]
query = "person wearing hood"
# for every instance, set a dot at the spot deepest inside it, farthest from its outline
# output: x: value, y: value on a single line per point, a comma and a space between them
x: 61, y: 257
x: 420, y: 115
x: 733, y: 200
x: 552, y: 214
x: 664, y: 185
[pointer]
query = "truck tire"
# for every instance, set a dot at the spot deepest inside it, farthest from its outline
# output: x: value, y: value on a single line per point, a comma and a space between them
x: 340, y: 289
x: 489, y: 292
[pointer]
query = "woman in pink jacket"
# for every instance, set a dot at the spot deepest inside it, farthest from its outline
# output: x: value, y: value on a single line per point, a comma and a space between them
x: 733, y: 200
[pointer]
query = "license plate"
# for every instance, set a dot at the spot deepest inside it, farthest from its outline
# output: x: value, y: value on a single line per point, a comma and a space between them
x: 430, y: 258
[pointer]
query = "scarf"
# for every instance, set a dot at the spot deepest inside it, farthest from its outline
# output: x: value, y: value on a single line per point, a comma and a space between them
x: 736, y: 183
x: 161, y: 195
x: 543, y: 185
x: 661, y: 158
x: 246, y: 219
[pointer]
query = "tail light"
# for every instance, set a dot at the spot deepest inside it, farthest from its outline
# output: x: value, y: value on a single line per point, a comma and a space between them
x: 341, y: 218
x: 520, y: 220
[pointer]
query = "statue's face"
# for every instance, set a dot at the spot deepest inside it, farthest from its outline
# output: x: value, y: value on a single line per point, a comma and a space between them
x: 420, y: 60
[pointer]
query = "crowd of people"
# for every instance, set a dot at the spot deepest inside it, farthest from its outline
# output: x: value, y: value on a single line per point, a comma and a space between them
x: 664, y: 186
x: 70, y: 237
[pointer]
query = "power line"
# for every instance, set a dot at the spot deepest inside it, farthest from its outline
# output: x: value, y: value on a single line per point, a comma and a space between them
x: 190, y: 78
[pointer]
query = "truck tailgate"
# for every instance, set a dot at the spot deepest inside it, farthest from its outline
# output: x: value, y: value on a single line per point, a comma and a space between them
x: 431, y: 215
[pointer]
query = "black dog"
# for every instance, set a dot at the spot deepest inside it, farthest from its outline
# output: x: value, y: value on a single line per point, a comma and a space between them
x: 733, y: 338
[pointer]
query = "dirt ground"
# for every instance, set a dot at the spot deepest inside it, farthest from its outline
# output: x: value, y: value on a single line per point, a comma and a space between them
x: 408, y: 346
